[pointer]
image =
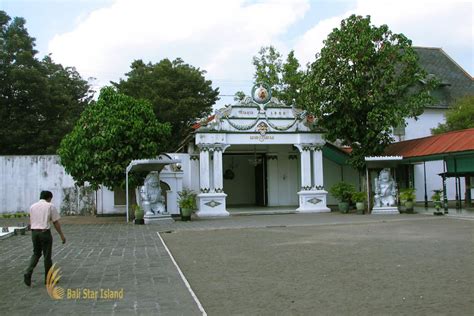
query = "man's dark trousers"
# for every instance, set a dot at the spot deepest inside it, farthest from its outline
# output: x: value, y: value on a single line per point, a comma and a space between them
x: 42, y: 243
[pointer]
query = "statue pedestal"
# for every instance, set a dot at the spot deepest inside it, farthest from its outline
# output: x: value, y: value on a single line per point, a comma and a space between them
x: 385, y: 210
x: 212, y: 204
x: 313, y: 201
x: 159, y: 218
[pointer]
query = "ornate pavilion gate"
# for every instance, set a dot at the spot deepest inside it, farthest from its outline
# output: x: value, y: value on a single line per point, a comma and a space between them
x: 259, y: 120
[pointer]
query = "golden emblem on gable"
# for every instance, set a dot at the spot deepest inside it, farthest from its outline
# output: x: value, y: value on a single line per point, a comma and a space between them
x: 262, y: 128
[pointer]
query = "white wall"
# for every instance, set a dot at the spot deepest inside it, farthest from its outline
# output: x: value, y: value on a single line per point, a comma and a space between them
x: 24, y: 177
x: 189, y: 179
x: 426, y: 121
x: 106, y: 203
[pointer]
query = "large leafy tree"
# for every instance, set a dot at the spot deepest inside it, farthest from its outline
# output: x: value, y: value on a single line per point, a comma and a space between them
x: 292, y: 80
x: 178, y: 92
x: 39, y: 100
x: 68, y: 95
x: 365, y: 80
x: 284, y: 77
x: 109, y: 134
x: 459, y: 116
x: 268, y: 66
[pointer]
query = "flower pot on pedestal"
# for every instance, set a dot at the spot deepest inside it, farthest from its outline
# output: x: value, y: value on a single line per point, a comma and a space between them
x: 187, y: 203
x: 437, y: 202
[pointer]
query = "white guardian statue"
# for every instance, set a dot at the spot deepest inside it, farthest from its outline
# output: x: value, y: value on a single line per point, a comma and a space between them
x: 150, y: 195
x: 385, y: 189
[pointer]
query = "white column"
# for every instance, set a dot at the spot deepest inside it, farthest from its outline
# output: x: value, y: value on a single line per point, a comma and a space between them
x: 218, y: 179
x: 305, y: 167
x: 318, y: 168
x: 204, y: 168
x: 312, y: 197
x: 212, y: 203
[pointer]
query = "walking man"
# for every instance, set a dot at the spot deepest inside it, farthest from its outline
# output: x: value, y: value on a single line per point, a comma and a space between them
x: 41, y: 214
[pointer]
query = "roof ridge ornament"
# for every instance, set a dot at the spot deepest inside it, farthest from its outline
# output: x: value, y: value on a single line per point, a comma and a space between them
x: 261, y: 93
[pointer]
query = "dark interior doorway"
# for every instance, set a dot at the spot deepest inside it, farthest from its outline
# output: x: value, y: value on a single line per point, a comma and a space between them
x: 245, y: 179
x: 261, y: 195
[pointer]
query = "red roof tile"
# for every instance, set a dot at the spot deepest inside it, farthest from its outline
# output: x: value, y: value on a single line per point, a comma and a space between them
x: 450, y: 142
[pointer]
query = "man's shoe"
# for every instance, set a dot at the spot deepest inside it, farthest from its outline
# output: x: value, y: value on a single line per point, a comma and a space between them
x: 27, y: 279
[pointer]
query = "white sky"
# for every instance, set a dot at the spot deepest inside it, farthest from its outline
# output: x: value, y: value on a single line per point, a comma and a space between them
x: 101, y: 38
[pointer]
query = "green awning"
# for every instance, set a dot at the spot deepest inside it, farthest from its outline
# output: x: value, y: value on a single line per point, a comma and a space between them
x: 335, y: 154
x: 460, y: 164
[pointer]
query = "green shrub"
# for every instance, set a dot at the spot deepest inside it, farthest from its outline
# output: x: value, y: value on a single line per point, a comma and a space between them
x: 436, y: 197
x: 187, y: 199
x: 407, y: 194
x: 342, y: 191
x: 359, y: 197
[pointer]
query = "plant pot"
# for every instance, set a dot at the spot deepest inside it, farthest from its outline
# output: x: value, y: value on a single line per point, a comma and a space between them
x: 360, y: 206
x: 139, y: 216
x: 343, y: 207
x: 186, y: 214
x: 409, y: 206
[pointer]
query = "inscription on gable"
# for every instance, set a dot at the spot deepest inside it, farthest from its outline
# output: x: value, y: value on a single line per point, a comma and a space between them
x: 244, y: 112
x: 277, y: 113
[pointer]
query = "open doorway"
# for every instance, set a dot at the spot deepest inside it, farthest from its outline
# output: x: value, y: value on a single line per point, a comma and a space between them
x: 245, y: 179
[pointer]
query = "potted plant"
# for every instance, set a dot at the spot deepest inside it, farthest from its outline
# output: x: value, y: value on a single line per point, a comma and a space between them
x: 359, y: 198
x: 343, y: 192
x: 436, y: 197
x: 407, y: 196
x: 187, y: 203
x: 138, y: 210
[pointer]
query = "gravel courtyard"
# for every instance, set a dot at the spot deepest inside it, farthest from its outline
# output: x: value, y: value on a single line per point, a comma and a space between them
x: 413, y: 267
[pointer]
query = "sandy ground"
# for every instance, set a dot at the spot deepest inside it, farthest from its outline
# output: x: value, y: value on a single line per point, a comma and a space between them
x: 419, y: 267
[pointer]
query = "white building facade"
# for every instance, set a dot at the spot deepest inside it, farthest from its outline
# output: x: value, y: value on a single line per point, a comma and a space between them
x: 259, y: 152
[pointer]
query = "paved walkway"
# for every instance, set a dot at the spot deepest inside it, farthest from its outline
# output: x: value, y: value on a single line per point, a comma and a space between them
x: 106, y: 256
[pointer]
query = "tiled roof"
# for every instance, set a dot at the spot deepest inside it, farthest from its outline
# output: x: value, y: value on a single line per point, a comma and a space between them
x: 455, y: 81
x: 451, y: 142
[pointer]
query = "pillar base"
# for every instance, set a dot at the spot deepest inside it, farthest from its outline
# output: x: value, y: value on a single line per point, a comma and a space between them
x: 385, y: 210
x: 212, y: 204
x: 313, y: 201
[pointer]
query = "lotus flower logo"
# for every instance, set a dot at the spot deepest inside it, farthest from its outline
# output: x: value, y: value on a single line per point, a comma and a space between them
x: 55, y: 292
